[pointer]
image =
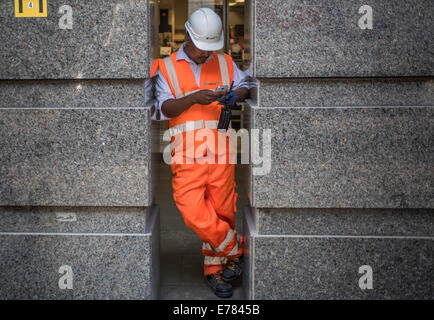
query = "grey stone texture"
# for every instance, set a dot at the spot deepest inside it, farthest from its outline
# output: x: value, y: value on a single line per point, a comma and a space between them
x: 346, y: 158
x: 322, y: 38
x: 70, y: 94
x: 318, y: 266
x: 328, y: 268
x: 104, y: 265
x: 369, y: 222
x: 78, y: 152
x: 74, y: 219
x: 352, y: 162
x: 338, y: 92
x: 109, y: 39
x: 361, y: 143
x: 75, y: 157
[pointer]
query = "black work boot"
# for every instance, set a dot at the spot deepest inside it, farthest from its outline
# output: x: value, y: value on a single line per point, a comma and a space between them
x: 220, y: 288
x: 232, y: 269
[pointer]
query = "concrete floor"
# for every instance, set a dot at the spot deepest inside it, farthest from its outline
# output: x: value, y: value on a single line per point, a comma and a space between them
x: 181, y: 270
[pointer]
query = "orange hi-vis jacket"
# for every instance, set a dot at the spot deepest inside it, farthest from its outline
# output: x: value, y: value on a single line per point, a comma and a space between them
x: 216, y: 72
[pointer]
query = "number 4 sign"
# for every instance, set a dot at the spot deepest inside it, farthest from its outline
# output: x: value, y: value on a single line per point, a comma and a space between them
x: 30, y: 8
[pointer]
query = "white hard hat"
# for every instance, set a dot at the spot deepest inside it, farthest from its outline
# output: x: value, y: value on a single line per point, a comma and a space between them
x: 205, y: 29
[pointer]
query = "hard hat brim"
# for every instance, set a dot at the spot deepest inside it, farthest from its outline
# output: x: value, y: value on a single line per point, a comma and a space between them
x: 209, y: 46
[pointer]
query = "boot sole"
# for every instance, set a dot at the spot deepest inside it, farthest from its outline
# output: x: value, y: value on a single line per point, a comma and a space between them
x: 220, y: 294
x: 223, y: 295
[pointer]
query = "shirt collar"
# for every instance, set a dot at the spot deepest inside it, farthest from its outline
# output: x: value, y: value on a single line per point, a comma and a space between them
x: 181, y: 55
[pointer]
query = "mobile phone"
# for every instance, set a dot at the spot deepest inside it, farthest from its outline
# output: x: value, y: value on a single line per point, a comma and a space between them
x: 222, y: 88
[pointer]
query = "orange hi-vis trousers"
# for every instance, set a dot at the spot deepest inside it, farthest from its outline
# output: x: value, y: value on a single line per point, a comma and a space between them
x: 206, y: 197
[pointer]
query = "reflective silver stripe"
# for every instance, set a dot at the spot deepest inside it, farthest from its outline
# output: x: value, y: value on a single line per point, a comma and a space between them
x: 193, y: 125
x: 187, y: 126
x: 215, y: 260
x: 207, y: 246
x: 224, y: 71
x: 172, y: 76
x: 226, y: 241
x: 234, y: 251
x: 211, y: 124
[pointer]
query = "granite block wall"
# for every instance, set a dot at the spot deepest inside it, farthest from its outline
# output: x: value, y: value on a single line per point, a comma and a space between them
x: 341, y: 254
x: 353, y: 38
x: 95, y: 40
x: 75, y: 156
x: 77, y: 142
x: 346, y: 90
x: 346, y: 154
x: 79, y: 253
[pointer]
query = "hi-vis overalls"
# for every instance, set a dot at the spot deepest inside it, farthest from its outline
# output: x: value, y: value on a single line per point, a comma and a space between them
x: 204, y: 191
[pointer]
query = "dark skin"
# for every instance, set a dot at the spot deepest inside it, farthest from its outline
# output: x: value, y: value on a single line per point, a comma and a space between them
x: 173, y: 107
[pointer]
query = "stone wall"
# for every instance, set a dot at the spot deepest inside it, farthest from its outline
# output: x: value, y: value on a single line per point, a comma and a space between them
x: 78, y: 154
x: 350, y: 110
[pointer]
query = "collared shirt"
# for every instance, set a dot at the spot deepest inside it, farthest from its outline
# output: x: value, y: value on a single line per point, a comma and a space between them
x: 162, y: 88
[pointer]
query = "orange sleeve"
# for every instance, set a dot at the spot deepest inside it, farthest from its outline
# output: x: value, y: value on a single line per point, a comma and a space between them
x: 154, y: 67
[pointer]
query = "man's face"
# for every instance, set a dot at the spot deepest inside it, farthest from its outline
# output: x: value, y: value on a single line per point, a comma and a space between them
x: 195, y: 54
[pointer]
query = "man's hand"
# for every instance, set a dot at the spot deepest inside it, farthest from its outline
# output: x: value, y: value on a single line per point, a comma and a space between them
x: 229, y: 99
x: 174, y: 107
x: 205, y: 97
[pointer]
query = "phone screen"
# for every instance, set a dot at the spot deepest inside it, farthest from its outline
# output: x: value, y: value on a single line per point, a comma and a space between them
x: 222, y: 88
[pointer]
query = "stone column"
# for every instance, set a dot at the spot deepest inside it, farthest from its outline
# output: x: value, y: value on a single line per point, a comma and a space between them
x: 77, y: 219
x: 345, y: 210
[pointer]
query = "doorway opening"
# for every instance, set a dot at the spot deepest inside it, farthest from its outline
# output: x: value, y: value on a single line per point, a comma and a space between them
x: 174, y: 13
x: 181, y: 260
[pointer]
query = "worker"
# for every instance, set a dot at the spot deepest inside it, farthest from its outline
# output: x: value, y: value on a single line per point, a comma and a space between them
x: 204, y: 193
